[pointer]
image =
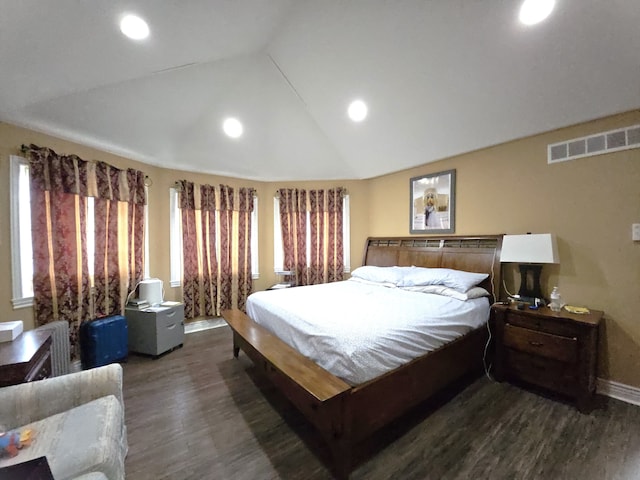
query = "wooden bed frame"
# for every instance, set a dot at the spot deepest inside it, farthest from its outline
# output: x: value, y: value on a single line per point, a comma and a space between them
x: 346, y: 415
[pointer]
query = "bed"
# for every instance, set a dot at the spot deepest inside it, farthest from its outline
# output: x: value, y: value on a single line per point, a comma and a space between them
x: 348, y: 410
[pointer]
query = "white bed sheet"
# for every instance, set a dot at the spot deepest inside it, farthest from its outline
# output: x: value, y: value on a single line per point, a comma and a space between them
x: 359, y: 331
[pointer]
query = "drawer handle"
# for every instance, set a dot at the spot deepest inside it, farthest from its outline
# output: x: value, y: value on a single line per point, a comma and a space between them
x: 171, y: 313
x: 172, y: 326
x: 536, y: 344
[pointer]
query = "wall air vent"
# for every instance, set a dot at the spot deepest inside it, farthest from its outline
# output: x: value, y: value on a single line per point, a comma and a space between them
x: 597, y: 144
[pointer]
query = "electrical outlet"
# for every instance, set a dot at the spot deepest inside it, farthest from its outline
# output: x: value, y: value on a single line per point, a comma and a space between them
x: 635, y: 232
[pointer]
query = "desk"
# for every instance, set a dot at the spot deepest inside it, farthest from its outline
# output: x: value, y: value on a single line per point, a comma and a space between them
x: 25, y: 359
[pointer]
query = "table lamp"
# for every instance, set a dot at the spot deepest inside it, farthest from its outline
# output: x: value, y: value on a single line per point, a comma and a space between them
x: 530, y: 251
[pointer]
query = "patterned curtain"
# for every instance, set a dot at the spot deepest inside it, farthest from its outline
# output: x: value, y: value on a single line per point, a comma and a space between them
x: 60, y: 186
x: 326, y: 261
x: 119, y: 237
x: 216, y: 224
x: 245, y: 208
x: 293, y: 221
x: 318, y: 207
x: 135, y: 234
x: 210, y: 258
x: 335, y: 245
x: 190, y: 249
x: 226, y: 239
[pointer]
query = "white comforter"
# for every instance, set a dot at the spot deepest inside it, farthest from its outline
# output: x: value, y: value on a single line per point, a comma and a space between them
x: 359, y: 331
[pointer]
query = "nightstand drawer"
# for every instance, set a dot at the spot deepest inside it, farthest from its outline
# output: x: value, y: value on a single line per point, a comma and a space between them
x: 563, y: 349
x: 543, y: 324
x: 541, y: 371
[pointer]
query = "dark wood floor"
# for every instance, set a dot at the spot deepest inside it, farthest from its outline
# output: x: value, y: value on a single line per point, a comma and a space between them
x: 198, y: 413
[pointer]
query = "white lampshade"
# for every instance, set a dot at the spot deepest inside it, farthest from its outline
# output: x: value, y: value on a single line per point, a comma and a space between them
x: 530, y: 248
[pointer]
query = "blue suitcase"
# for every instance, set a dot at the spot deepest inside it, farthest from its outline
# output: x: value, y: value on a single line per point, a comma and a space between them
x: 103, y: 341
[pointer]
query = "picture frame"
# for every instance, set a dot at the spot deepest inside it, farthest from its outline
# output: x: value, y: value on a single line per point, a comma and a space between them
x: 432, y: 203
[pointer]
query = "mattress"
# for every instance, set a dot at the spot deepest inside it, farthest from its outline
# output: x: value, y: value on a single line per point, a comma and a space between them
x: 358, y: 331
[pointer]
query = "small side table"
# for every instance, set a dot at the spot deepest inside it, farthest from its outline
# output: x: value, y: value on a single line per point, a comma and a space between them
x: 25, y: 359
x: 557, y: 351
x: 155, y: 330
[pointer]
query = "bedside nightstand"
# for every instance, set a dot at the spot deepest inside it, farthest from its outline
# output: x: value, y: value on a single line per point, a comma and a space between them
x: 25, y: 359
x: 554, y: 350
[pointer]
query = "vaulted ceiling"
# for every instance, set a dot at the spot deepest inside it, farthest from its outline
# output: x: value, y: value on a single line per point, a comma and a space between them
x: 440, y: 77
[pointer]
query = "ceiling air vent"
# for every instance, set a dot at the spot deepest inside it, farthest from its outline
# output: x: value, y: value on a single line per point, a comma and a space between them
x: 597, y: 144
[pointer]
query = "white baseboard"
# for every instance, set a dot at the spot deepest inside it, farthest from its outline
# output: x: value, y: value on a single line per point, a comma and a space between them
x: 619, y: 391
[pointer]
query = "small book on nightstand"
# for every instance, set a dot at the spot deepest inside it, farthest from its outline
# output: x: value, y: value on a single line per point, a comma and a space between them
x: 169, y: 303
x: 138, y: 303
x: 9, y: 331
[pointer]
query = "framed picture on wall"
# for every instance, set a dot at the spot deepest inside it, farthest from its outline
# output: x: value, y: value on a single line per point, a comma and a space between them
x: 433, y: 203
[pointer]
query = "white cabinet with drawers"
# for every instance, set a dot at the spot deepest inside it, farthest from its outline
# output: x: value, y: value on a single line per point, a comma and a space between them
x: 155, y: 330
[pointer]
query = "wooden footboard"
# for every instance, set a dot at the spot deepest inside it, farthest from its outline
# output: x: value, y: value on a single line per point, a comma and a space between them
x: 320, y: 396
x: 346, y: 415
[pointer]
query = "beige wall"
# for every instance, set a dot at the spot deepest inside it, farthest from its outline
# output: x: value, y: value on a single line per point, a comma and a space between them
x: 589, y: 204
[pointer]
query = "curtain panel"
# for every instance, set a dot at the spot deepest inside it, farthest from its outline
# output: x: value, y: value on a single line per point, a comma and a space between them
x: 216, y: 247
x: 326, y: 260
x: 293, y: 223
x: 60, y: 186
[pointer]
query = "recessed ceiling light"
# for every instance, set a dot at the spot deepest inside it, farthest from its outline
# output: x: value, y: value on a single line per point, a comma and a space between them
x: 232, y: 127
x: 535, y: 11
x: 357, y: 110
x: 134, y: 27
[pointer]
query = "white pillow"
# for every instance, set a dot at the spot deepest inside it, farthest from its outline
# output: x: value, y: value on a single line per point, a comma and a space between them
x: 457, y: 279
x: 380, y: 274
x: 474, y: 292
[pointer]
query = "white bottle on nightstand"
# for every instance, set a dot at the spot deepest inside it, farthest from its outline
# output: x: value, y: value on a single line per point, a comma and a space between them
x: 556, y: 300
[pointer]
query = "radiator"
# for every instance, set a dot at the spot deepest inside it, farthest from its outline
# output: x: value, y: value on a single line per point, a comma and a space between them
x: 60, y: 348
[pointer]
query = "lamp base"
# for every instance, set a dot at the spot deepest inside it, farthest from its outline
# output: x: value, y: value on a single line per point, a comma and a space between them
x: 530, y: 280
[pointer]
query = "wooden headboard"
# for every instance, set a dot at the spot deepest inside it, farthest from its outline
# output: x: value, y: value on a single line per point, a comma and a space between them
x: 479, y: 253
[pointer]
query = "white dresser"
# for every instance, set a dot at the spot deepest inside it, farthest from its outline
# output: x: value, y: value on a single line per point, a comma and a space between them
x: 155, y: 330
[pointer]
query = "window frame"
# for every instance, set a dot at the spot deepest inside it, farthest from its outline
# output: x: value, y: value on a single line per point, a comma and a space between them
x: 175, y: 238
x: 255, y: 247
x: 18, y: 298
x: 145, y: 253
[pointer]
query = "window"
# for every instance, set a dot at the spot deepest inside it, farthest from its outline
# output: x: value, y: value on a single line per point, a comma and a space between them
x: 21, y: 246
x: 146, y: 233
x: 176, y: 239
x: 278, y: 249
x: 255, y: 264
